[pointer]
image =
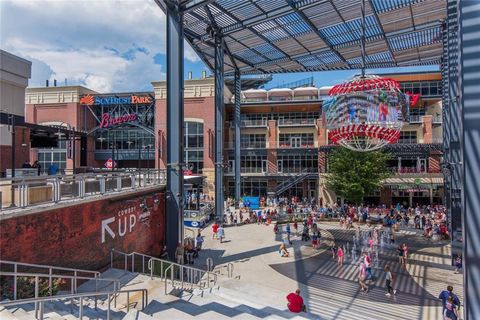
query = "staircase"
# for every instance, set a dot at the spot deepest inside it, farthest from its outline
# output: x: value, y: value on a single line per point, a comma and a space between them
x: 293, y: 180
x: 146, y: 296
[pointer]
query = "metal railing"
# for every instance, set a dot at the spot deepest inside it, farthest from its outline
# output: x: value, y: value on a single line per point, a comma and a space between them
x: 253, y: 123
x: 111, y: 296
x: 180, y: 276
x: 24, y: 192
x: 54, y: 272
x: 282, y: 122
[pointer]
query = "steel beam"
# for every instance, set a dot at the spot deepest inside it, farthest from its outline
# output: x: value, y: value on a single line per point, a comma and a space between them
x: 219, y: 108
x: 453, y: 128
x: 175, y: 131
x: 468, y: 16
x: 236, y: 121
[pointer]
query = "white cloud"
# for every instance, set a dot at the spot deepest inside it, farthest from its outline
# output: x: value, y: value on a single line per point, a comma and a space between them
x: 105, y: 45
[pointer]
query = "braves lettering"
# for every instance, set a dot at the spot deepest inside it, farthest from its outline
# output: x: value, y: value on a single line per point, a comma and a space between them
x: 108, y: 120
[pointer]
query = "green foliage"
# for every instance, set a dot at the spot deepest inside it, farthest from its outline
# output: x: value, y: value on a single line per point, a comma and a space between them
x: 26, y: 287
x: 353, y: 175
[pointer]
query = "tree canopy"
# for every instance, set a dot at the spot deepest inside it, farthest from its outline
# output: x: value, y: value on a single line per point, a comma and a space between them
x: 353, y: 175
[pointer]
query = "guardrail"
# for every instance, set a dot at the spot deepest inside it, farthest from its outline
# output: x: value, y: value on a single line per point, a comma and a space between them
x: 24, y: 192
x: 111, y: 295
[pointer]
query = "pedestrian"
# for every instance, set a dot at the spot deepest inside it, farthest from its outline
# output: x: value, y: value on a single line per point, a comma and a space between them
x: 340, y: 256
x: 199, y: 241
x: 458, y: 263
x: 401, y: 259
x: 295, y: 227
x: 333, y: 249
x: 221, y: 233
x: 179, y: 253
x: 283, y: 251
x: 314, y: 241
x: 295, y: 302
x: 214, y: 230
x: 450, y: 311
x: 289, y: 231
x: 389, y: 282
x: 362, y: 276
x: 368, y: 265
x: 405, y: 254
x: 37, y: 165
x: 445, y: 295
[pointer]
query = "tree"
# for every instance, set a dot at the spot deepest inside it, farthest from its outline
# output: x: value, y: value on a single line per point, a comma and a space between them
x: 353, y: 175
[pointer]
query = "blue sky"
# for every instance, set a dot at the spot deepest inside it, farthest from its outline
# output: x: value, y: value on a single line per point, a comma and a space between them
x: 105, y: 45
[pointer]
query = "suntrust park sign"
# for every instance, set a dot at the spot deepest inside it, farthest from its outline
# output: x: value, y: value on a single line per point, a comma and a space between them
x: 90, y: 100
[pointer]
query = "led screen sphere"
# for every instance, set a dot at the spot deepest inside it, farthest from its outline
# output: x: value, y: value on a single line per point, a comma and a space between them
x: 365, y: 113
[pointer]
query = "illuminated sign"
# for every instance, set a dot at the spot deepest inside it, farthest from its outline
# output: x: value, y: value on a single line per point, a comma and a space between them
x: 108, y: 121
x: 90, y: 100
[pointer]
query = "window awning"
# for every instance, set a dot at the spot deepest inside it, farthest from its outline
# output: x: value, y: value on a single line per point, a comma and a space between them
x: 276, y: 36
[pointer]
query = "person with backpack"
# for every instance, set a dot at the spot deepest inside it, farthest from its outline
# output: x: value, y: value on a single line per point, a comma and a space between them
x: 444, y: 296
x: 389, y: 281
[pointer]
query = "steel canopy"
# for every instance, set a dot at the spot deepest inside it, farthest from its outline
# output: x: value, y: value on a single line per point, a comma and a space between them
x: 276, y: 36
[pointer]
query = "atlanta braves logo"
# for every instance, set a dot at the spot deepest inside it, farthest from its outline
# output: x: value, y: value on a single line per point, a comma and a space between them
x: 87, y: 100
x: 413, y: 98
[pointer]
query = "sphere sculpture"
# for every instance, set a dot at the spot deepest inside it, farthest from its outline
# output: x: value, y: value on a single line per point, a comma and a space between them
x: 365, y: 113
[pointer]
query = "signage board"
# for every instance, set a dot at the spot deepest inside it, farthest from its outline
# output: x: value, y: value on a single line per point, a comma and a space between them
x: 109, y: 163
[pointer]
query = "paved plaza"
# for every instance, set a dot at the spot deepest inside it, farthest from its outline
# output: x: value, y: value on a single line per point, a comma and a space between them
x: 329, y: 291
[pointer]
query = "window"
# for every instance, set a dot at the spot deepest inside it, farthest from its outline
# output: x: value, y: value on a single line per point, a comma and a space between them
x: 294, y: 163
x: 253, y: 164
x: 47, y: 156
x: 249, y: 187
x: 296, y: 140
x: 252, y: 141
x: 407, y: 137
x: 193, y: 141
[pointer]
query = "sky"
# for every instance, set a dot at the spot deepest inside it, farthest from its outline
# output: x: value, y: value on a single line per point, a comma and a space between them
x: 106, y: 45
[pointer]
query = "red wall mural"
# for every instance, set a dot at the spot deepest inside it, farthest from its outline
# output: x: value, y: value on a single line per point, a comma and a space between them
x: 83, y: 234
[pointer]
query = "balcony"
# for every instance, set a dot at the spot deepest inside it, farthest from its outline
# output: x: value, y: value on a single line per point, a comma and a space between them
x: 415, y: 119
x: 437, y: 119
x: 296, y: 122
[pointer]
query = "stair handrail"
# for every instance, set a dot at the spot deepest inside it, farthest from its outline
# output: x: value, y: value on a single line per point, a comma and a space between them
x: 15, y: 263
x: 192, y: 274
x: 169, y: 264
x: 39, y: 301
x: 51, y: 276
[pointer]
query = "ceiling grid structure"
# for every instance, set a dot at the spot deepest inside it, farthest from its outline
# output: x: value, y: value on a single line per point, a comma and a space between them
x: 278, y: 36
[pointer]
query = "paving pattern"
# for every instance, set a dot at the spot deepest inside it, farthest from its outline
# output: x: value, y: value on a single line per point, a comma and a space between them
x: 332, y: 292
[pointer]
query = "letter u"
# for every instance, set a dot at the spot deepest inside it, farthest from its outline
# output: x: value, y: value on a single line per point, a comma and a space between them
x: 120, y: 232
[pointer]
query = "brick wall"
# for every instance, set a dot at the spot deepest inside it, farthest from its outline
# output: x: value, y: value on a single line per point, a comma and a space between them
x: 72, y: 236
x: 22, y: 150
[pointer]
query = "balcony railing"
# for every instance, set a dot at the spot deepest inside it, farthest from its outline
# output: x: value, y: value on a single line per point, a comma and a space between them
x: 437, y: 119
x: 295, y: 145
x: 415, y: 119
x: 410, y: 170
x: 253, y: 123
x: 251, y: 145
x: 296, y: 122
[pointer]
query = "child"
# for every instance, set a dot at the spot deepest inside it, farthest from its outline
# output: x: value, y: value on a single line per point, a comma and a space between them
x: 333, y: 249
x: 340, y: 256
x: 388, y: 282
x: 450, y: 311
x: 314, y: 241
x: 458, y: 263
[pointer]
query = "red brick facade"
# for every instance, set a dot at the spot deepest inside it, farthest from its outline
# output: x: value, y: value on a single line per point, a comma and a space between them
x: 72, y: 236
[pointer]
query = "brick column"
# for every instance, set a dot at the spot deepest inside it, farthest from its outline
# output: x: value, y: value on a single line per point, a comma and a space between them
x: 434, y: 163
x: 272, y: 147
x: 386, y: 196
x: 322, y: 133
x: 427, y: 128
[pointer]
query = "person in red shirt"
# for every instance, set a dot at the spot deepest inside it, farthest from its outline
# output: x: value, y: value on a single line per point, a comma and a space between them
x: 295, y: 302
x: 214, y: 230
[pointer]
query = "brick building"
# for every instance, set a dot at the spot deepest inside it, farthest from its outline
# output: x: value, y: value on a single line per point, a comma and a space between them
x: 284, y: 146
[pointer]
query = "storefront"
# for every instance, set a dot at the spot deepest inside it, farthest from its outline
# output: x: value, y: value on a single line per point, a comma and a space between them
x: 123, y: 128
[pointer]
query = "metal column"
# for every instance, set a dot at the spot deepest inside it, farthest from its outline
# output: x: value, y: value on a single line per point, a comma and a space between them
x: 219, y: 127
x: 236, y: 121
x: 175, y: 132
x: 452, y: 127
x: 469, y: 95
